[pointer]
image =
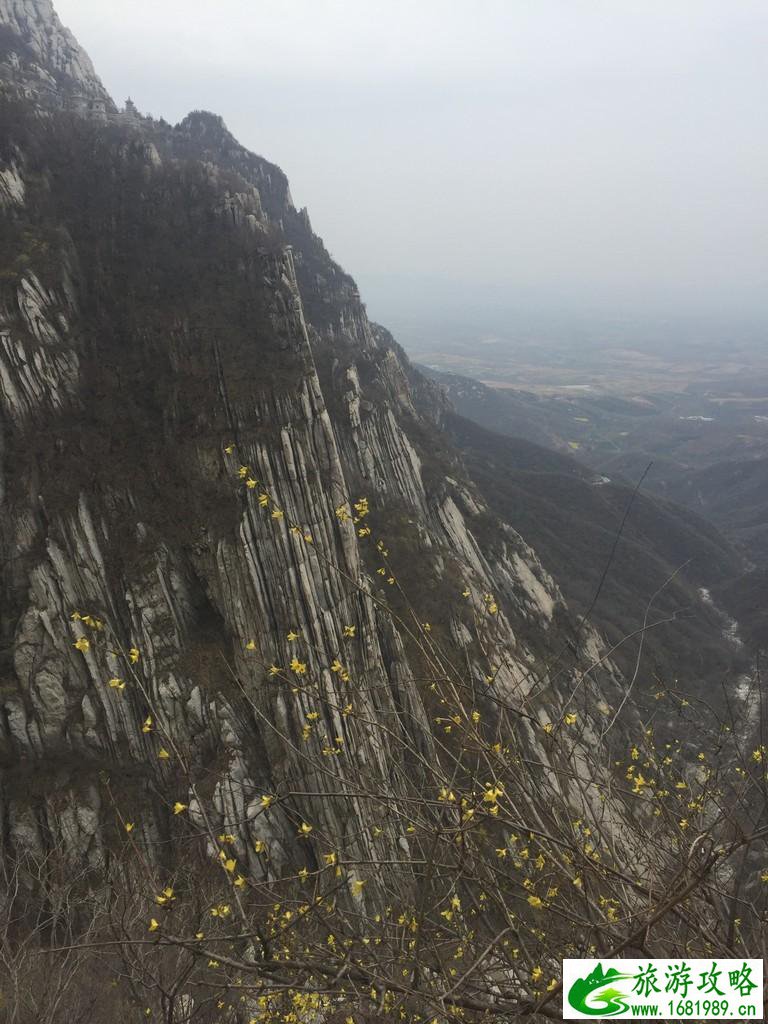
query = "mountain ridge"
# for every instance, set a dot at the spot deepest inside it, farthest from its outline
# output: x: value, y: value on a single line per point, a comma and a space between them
x: 294, y: 722
x: 168, y: 317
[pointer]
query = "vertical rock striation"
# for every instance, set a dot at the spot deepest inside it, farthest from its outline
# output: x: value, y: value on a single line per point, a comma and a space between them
x: 166, y: 317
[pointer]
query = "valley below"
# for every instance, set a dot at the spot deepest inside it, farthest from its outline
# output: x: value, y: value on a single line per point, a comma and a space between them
x: 688, y: 423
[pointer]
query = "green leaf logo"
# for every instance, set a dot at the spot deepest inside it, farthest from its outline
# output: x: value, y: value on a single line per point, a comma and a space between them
x: 597, y: 987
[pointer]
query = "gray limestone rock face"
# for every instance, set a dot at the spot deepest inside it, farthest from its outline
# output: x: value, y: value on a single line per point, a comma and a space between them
x: 184, y: 322
x: 59, y: 57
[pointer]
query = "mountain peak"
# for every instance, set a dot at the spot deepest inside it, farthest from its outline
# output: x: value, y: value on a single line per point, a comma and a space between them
x: 41, y: 56
x: 203, y: 122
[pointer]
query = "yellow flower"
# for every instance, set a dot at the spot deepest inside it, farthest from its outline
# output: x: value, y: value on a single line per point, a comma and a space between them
x: 465, y: 593
x: 267, y: 801
x: 274, y: 670
x: 129, y: 826
x: 683, y: 823
x: 229, y: 864
x: 547, y: 727
x: 76, y: 616
x: 153, y: 925
x: 357, y: 886
x: 570, y: 718
x: 147, y: 726
x: 251, y: 645
x: 250, y: 483
x: 764, y: 876
x: 757, y: 755
x: 242, y: 472
x: 305, y: 829
x: 492, y: 794
x: 163, y: 754
x: 293, y: 635
x: 299, y: 667
x: 240, y: 882
x: 116, y: 684
x: 536, y: 902
x: 350, y: 630
x: 536, y: 973
x: 179, y: 808
x: 263, y: 500
x: 221, y: 910
x: 229, y: 449
x: 330, y: 858
x: 277, y: 513
x: 259, y: 845
x: 303, y: 874
x: 133, y: 655
x: 82, y: 644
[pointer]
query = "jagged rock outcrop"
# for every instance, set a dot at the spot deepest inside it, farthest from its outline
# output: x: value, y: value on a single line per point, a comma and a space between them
x: 167, y: 317
x: 42, y: 58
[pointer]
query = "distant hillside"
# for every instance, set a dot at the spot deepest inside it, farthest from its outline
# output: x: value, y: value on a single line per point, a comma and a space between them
x: 734, y: 495
x: 572, y: 516
x: 705, y: 450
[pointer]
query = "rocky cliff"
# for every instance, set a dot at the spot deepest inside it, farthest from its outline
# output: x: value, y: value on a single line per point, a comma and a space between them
x: 44, y: 60
x: 193, y: 402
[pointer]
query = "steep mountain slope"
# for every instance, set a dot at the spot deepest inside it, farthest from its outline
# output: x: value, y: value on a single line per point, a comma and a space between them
x: 44, y: 59
x: 729, y: 495
x: 294, y: 723
x: 192, y: 402
x: 573, y: 517
x: 732, y: 494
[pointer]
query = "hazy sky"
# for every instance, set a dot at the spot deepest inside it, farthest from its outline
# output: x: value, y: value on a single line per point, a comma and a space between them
x: 568, y: 153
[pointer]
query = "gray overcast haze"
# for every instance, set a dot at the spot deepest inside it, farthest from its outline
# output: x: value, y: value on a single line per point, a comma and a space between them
x: 554, y: 154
